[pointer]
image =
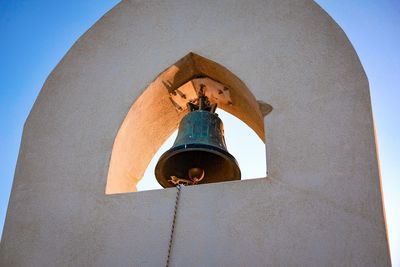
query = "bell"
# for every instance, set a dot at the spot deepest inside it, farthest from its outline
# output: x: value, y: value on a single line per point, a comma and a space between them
x: 199, y: 154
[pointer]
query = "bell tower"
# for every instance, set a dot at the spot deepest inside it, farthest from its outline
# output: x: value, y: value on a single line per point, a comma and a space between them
x: 116, y: 97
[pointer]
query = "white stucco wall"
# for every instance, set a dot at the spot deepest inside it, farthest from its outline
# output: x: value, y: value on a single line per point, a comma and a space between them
x: 321, y: 205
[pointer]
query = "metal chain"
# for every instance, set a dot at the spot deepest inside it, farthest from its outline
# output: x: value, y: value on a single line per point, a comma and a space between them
x: 178, y: 193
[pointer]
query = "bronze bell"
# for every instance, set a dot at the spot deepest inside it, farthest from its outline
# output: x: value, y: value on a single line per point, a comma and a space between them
x: 199, y: 154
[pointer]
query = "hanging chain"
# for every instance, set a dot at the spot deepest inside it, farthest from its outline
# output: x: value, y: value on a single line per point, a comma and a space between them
x: 178, y: 193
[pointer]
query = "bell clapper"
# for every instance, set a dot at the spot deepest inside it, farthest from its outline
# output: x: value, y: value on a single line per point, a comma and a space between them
x: 196, y: 175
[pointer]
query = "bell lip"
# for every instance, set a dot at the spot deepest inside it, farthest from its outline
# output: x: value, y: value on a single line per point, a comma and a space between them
x: 191, y: 147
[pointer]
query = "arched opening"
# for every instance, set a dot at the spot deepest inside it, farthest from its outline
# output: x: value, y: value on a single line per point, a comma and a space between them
x: 156, y: 114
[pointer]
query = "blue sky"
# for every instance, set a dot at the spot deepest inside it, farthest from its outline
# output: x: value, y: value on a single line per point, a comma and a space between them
x: 36, y: 34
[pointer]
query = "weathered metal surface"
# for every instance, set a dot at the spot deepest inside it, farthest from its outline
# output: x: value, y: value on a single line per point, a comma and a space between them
x: 200, y: 144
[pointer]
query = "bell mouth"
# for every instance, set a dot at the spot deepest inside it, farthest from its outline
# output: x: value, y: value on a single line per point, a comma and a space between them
x: 217, y: 164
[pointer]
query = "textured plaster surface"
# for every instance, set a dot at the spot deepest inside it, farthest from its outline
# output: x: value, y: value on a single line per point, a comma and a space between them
x: 321, y: 205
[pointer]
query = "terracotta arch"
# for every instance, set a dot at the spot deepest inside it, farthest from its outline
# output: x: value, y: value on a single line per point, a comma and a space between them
x: 152, y: 118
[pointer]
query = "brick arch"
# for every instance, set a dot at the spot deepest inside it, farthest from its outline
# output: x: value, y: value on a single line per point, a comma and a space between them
x: 152, y: 118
